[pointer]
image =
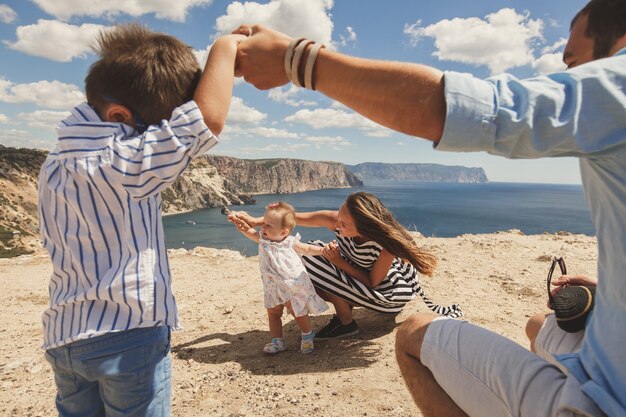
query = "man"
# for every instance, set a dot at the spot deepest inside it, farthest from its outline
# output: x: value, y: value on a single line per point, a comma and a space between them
x: 453, y: 367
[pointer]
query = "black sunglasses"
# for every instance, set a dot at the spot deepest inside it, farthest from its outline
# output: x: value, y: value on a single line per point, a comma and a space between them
x: 561, y: 263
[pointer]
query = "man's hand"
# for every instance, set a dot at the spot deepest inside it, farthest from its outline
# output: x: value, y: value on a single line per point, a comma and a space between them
x: 260, y: 57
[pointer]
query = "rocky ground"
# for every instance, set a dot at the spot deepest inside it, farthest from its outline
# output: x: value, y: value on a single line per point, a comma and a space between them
x: 219, y: 369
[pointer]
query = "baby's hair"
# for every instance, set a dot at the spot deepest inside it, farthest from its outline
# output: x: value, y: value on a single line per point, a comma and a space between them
x: 287, y: 212
x: 150, y: 73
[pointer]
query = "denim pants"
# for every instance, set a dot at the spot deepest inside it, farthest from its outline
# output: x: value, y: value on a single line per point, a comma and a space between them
x: 126, y: 373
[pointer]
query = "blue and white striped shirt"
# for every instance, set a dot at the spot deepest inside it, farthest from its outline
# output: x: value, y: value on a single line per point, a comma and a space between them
x: 100, y: 221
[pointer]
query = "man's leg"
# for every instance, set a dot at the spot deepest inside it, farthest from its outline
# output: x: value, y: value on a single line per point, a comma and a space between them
x: 550, y: 339
x: 482, y: 373
x: 533, y: 327
x: 427, y: 394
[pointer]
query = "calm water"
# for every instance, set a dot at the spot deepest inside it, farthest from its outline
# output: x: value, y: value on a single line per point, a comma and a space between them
x: 443, y: 210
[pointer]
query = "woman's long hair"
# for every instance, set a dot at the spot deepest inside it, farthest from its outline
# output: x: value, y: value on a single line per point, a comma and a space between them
x: 374, y: 221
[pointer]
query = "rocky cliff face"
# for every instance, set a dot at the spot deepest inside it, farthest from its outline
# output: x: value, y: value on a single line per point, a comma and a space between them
x: 209, y: 181
x: 374, y: 171
x: 282, y: 176
x: 19, y: 169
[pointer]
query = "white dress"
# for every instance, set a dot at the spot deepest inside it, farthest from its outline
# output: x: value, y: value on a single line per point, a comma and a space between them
x: 285, y: 278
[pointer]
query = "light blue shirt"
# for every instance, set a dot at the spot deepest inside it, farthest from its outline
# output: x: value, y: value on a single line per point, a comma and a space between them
x: 100, y: 221
x: 581, y: 113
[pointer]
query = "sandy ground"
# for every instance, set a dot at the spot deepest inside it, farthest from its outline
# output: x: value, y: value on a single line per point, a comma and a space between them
x: 219, y: 369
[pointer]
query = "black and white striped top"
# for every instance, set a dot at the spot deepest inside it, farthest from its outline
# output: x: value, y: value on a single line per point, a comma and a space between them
x: 399, y: 287
x: 100, y: 221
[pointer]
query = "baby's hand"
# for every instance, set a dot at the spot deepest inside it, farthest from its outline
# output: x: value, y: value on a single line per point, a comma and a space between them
x: 331, y: 251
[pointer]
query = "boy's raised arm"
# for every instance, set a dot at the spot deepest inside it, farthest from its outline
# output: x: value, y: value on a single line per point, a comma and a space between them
x: 215, y: 88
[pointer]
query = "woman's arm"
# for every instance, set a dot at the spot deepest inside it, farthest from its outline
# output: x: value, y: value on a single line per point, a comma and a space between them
x: 322, y: 218
x: 371, y: 278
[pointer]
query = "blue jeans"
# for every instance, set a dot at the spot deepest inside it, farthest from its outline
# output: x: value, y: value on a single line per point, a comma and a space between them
x: 126, y: 373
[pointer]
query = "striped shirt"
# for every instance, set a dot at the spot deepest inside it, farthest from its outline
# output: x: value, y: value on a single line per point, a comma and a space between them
x: 100, y: 221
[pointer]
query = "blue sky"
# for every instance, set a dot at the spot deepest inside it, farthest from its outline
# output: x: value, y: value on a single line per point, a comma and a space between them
x: 44, y: 56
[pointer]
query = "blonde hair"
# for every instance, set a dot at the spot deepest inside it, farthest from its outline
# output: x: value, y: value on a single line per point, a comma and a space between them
x: 374, y: 221
x: 287, y: 212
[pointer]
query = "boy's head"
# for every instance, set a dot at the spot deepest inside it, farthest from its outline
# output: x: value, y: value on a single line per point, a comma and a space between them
x: 278, y: 221
x: 147, y: 73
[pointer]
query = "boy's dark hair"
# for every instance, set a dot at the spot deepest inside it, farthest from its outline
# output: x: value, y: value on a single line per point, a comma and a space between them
x: 606, y: 23
x: 151, y: 73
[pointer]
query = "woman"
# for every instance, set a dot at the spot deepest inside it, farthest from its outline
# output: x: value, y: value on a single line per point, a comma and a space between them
x: 373, y: 263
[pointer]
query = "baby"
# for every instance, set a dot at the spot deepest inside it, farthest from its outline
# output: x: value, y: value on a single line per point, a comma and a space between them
x: 285, y: 280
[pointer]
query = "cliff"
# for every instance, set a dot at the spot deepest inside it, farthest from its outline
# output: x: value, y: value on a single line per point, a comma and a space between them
x: 282, y: 176
x: 374, y: 171
x: 19, y: 169
x: 209, y: 181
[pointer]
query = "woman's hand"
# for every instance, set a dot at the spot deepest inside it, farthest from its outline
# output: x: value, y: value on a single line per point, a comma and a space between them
x: 331, y: 252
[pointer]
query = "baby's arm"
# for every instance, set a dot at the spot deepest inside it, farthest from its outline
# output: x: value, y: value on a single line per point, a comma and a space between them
x: 215, y: 88
x: 245, y: 229
x: 306, y: 249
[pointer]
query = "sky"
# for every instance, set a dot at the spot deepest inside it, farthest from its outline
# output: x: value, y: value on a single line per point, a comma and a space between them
x: 45, y: 55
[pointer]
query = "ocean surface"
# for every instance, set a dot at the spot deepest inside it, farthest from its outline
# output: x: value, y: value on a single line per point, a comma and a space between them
x: 434, y: 209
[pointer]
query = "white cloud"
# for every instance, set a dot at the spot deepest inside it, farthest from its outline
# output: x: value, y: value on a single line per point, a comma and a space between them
x: 55, y: 40
x: 549, y: 63
x: 555, y: 47
x: 502, y: 40
x: 172, y: 10
x: 349, y: 38
x: 202, y: 55
x: 285, y: 95
x: 273, y: 149
x: 239, y: 112
x: 3, y: 118
x: 22, y: 139
x: 43, y: 119
x: 306, y: 18
x: 46, y: 94
x: 335, y: 118
x: 7, y: 14
x: 255, y: 131
x: 332, y: 142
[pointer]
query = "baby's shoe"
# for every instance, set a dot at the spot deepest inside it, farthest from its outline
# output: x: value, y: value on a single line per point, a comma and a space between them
x: 307, y: 346
x: 276, y: 345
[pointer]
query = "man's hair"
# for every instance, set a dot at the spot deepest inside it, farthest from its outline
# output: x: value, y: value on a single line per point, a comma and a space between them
x: 374, y: 221
x: 151, y: 73
x: 287, y: 212
x: 606, y: 23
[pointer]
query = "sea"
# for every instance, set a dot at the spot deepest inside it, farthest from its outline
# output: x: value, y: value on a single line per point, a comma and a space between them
x: 433, y: 209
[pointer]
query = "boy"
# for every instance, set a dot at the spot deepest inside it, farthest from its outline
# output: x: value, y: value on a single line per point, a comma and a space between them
x: 107, y: 330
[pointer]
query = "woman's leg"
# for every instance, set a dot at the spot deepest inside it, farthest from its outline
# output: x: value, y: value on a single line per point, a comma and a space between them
x: 343, y: 309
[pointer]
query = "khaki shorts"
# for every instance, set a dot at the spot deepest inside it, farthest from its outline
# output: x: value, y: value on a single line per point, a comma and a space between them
x: 489, y: 375
x: 551, y: 341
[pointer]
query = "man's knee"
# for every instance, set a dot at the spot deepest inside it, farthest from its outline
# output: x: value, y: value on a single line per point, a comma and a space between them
x: 411, y: 333
x: 533, y: 326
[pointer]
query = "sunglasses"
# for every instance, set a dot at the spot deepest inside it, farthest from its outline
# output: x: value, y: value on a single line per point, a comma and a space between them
x: 561, y: 263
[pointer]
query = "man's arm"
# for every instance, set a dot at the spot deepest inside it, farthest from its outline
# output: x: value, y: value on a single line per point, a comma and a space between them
x: 405, y: 97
